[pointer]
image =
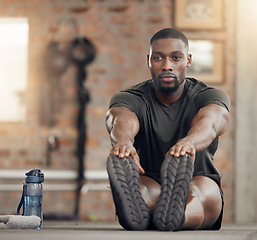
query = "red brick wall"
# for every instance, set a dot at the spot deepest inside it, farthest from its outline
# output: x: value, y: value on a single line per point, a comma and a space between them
x: 120, y: 30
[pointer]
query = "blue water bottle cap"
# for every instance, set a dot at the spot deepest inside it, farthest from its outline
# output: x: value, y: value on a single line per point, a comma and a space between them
x: 34, y: 176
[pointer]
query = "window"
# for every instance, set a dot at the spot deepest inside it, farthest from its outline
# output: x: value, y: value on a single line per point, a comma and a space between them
x: 13, y: 68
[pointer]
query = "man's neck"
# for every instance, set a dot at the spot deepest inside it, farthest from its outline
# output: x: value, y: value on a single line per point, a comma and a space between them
x: 168, y: 100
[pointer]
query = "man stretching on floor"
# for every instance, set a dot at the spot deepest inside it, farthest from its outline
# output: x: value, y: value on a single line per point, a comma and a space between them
x: 164, y: 133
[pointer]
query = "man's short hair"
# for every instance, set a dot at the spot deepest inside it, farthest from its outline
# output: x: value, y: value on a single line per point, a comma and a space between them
x: 169, y: 33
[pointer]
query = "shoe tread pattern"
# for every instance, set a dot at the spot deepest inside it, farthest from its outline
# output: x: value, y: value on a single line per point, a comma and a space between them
x: 176, y: 174
x: 132, y: 211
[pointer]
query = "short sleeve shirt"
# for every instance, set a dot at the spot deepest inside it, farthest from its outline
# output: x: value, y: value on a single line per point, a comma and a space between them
x: 162, y: 126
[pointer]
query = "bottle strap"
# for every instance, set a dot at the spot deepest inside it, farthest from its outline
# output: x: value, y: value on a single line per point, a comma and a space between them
x: 21, y: 203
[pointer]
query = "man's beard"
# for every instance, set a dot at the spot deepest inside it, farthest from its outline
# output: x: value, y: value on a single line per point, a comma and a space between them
x: 167, y: 90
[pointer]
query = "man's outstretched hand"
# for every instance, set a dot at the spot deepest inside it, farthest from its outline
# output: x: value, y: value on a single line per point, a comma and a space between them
x: 182, y: 147
x: 125, y: 150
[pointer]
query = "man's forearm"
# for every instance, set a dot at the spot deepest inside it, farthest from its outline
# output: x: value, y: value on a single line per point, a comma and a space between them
x: 201, y: 135
x: 122, y: 125
x: 209, y: 123
x: 121, y: 132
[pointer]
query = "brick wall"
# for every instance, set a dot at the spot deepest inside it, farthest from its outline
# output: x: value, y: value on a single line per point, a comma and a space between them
x: 120, y: 30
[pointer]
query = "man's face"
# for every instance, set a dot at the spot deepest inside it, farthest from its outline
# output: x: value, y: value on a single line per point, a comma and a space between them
x: 168, y: 60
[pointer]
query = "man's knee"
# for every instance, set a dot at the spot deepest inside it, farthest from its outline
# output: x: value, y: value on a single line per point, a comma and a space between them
x: 194, y: 213
x: 209, y: 195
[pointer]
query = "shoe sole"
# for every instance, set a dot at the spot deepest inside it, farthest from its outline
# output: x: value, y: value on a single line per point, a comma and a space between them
x: 132, y: 211
x: 176, y: 174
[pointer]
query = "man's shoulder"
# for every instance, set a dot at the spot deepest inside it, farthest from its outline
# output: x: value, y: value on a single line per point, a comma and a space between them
x: 204, y: 94
x: 132, y: 97
x: 197, y: 85
x: 139, y: 89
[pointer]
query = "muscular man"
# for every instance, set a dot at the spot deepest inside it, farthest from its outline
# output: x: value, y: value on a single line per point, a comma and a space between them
x: 164, y: 133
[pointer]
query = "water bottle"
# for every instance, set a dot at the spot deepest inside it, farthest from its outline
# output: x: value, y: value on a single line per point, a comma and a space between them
x: 32, y: 195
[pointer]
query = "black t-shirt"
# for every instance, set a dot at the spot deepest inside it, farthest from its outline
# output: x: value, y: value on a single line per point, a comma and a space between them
x: 162, y: 126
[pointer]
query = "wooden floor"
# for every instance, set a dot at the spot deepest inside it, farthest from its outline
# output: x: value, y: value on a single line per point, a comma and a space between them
x: 76, y: 230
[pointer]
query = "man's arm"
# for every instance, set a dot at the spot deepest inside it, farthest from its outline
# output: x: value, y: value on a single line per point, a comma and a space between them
x: 123, y: 125
x: 210, y: 122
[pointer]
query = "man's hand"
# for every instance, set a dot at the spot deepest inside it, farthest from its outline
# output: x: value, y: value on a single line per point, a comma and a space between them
x: 182, y: 147
x: 125, y: 150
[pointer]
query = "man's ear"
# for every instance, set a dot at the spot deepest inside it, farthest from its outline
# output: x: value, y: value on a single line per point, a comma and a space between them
x: 189, y: 60
x: 147, y: 61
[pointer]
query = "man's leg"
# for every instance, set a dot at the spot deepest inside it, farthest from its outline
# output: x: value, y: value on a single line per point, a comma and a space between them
x: 204, y: 204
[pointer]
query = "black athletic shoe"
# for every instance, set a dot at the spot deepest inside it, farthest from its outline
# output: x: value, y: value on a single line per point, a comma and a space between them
x: 132, y: 211
x: 176, y: 174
